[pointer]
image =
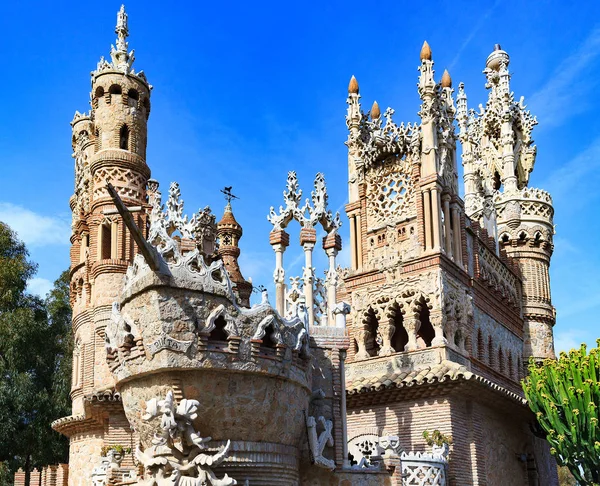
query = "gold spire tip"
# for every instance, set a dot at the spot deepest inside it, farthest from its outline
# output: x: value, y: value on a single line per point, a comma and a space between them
x: 425, y: 52
x: 353, y: 86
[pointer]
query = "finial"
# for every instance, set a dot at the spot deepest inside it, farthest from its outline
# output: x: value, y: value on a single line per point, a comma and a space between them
x: 497, y: 58
x: 353, y: 85
x: 446, y: 79
x: 122, y: 30
x: 375, y: 111
x: 425, y: 52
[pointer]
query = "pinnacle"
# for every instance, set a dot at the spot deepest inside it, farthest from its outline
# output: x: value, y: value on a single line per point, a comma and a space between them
x: 353, y: 86
x: 425, y: 52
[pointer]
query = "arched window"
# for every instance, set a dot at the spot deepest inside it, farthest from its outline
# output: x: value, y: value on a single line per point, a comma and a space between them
x: 219, y: 333
x: 106, y: 241
x: 115, y: 89
x: 124, y: 138
x: 426, y: 333
x: 132, y: 94
x: 373, y: 346
x: 99, y: 93
x: 77, y: 359
x: 400, y: 338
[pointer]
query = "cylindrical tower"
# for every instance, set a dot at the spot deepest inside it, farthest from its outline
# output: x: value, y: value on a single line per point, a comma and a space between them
x: 109, y: 145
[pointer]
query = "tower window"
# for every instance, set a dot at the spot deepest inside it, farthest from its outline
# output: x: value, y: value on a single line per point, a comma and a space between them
x: 133, y: 94
x: 124, y: 138
x: 105, y: 243
x: 115, y: 89
x: 99, y: 92
x: 426, y: 333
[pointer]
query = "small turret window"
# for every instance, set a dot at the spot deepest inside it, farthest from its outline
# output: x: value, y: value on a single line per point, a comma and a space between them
x: 105, y: 241
x: 115, y: 89
x: 133, y: 94
x: 99, y: 92
x: 124, y: 138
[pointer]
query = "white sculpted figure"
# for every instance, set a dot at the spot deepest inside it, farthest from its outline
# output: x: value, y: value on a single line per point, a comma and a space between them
x: 175, y: 457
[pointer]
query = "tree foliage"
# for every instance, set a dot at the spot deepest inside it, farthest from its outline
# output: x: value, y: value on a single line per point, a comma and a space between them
x: 35, y: 349
x: 565, y: 395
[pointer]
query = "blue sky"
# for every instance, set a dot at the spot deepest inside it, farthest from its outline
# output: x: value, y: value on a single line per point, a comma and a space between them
x: 246, y: 91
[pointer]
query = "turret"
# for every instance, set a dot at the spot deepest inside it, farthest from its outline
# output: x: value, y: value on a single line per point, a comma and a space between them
x: 109, y: 145
x: 229, y: 233
x: 498, y: 156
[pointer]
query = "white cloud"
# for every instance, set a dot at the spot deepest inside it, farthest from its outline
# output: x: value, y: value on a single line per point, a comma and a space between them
x: 39, y: 286
x: 568, y: 89
x: 35, y: 229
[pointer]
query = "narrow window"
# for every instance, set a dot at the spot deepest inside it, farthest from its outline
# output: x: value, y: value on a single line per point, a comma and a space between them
x: 105, y: 243
x: 124, y: 138
x: 426, y: 332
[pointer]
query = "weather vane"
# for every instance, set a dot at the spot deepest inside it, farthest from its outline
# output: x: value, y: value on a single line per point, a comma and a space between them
x: 229, y: 196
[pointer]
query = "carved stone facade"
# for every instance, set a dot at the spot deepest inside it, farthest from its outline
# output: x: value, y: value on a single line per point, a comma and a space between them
x: 178, y: 380
x: 448, y: 299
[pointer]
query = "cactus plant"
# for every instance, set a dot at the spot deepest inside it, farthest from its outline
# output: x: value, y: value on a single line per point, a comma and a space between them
x: 564, y: 394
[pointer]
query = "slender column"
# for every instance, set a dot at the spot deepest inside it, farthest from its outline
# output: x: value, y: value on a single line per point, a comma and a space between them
x: 358, y: 236
x: 447, y: 226
x: 279, y: 240
x: 427, y: 212
x: 332, y: 243
x: 435, y: 218
x: 114, y: 240
x: 308, y: 238
x: 457, y: 233
x: 343, y: 407
x: 353, y: 249
x: 387, y: 330
x: 437, y: 322
x: 412, y: 325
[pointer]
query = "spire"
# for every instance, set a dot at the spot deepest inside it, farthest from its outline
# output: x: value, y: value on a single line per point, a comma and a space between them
x: 229, y: 233
x: 375, y: 111
x: 446, y: 80
x: 353, y: 86
x: 425, y: 52
x: 121, y: 59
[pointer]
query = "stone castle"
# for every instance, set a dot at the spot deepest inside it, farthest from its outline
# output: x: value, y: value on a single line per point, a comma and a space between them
x: 177, y: 380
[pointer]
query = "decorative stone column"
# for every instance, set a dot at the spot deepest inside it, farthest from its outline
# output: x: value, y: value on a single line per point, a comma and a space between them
x: 438, y: 320
x: 427, y: 217
x: 387, y: 330
x: 332, y: 244
x: 340, y: 311
x: 279, y: 240
x: 362, y: 338
x: 447, y: 226
x: 308, y: 238
x: 457, y: 253
x: 412, y: 324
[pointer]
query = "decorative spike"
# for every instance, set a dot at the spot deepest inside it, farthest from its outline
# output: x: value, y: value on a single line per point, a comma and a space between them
x: 446, y: 80
x: 353, y: 86
x: 375, y: 111
x: 425, y: 52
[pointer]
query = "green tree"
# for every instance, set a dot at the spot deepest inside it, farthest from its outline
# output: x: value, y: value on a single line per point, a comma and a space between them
x: 565, y: 395
x: 34, y: 361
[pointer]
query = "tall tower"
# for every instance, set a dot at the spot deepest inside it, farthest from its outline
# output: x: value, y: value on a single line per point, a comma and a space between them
x: 498, y: 157
x: 229, y: 233
x: 109, y: 145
